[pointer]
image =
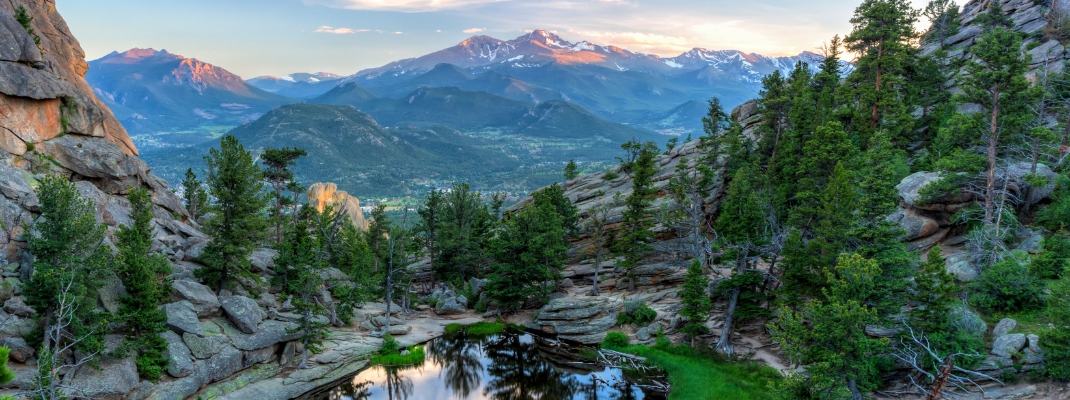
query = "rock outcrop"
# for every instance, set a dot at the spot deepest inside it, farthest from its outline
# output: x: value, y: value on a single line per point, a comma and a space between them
x: 42, y: 88
x: 327, y: 194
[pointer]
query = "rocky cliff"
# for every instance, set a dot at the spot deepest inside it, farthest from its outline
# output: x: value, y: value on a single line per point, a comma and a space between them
x: 322, y: 195
x: 43, y: 92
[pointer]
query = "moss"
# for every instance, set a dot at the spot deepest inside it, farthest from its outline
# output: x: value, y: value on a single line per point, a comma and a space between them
x: 415, y: 356
x: 706, y: 376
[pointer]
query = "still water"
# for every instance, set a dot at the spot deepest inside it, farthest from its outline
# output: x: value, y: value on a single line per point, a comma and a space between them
x: 507, y: 366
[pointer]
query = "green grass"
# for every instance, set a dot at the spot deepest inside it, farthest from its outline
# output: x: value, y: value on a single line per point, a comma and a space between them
x: 476, y: 329
x: 416, y: 355
x: 703, y: 376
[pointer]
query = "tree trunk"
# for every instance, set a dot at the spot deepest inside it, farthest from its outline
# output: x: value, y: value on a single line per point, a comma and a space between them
x: 993, y: 138
x: 853, y: 385
x: 724, y: 343
x: 876, y: 110
x: 278, y: 214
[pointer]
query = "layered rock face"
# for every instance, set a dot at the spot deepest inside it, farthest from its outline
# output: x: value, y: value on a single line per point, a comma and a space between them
x: 42, y: 88
x: 327, y: 194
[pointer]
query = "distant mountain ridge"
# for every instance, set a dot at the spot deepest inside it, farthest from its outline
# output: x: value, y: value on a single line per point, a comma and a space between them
x: 540, y: 47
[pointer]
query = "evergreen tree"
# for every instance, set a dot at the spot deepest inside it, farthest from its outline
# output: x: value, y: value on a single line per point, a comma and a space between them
x: 301, y: 253
x: 696, y: 304
x: 431, y: 217
x: 774, y: 103
x: 828, y: 335
x: 463, y: 235
x: 378, y: 235
x: 67, y: 247
x: 529, y: 251
x: 571, y: 170
x: 195, y: 196
x: 996, y: 81
x: 277, y: 174
x: 598, y: 222
x: 635, y: 235
x: 883, y: 37
x: 933, y: 294
x: 238, y: 223
x: 554, y: 195
x: 24, y: 19
x: 144, y: 275
x: 944, y: 17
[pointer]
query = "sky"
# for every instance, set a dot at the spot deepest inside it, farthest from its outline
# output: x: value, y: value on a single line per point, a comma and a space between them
x: 277, y: 37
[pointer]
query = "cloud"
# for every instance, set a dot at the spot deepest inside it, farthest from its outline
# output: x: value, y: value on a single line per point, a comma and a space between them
x: 400, y: 5
x: 473, y: 30
x: 338, y: 31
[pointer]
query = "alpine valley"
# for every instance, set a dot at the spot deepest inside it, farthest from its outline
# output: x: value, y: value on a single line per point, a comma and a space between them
x: 522, y: 108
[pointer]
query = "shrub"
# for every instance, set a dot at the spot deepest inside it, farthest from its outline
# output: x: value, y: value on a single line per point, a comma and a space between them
x: 390, y: 345
x: 485, y: 328
x: 636, y: 312
x: 1056, y: 215
x: 416, y: 355
x: 1055, y: 258
x: 615, y: 340
x: 1056, y: 340
x: 453, y: 329
x: 480, y: 306
x: 1007, y: 286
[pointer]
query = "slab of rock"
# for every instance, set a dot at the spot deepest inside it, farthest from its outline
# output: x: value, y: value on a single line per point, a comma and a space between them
x: 260, y: 356
x: 110, y: 294
x: 180, y: 361
x: 114, y: 378
x: 20, y: 351
x: 181, y: 318
x: 915, y: 224
x: 1004, y: 327
x: 582, y: 319
x: 263, y: 260
x: 207, y: 346
x: 17, y: 306
x: 268, y: 333
x: 1009, y: 344
x: 960, y: 266
x: 288, y: 352
x: 243, y: 312
x: 398, y: 330
x: 224, y: 364
x: 204, y: 301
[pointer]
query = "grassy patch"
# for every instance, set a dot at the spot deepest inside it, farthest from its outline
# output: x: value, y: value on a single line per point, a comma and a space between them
x: 476, y: 329
x: 416, y: 355
x: 704, y: 376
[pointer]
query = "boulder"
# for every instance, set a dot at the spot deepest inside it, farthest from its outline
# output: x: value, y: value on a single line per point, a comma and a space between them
x: 1004, y: 327
x: 204, y: 301
x: 398, y: 330
x: 195, y: 250
x: 110, y: 294
x: 207, y: 346
x: 961, y: 267
x: 449, y: 306
x: 322, y: 195
x: 222, y: 365
x: 20, y: 351
x: 877, y: 331
x: 582, y: 319
x: 268, y: 333
x: 288, y: 352
x: 17, y: 306
x: 477, y: 285
x: 182, y: 319
x: 916, y: 225
x: 1032, y: 353
x: 1009, y: 345
x: 260, y: 356
x: 262, y: 261
x: 242, y: 312
x: 962, y: 319
x: 16, y: 45
x: 180, y: 361
x: 114, y: 378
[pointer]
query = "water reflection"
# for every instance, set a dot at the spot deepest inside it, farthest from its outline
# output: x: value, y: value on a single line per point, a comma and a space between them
x: 508, y: 366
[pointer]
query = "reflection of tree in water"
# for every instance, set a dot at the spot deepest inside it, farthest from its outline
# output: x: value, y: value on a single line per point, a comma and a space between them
x: 460, y: 357
x: 519, y: 373
x: 352, y: 391
x: 625, y: 391
x: 398, y: 386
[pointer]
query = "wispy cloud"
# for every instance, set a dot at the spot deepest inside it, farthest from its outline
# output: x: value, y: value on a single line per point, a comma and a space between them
x: 400, y: 5
x: 639, y: 41
x: 473, y: 30
x: 339, y: 31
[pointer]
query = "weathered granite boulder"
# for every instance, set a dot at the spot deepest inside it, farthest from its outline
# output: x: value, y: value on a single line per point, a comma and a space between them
x: 961, y: 266
x: 204, y: 301
x: 180, y: 361
x: 20, y: 351
x: 209, y: 345
x: 581, y: 319
x: 181, y: 318
x: 17, y: 306
x: 222, y: 365
x: 1004, y: 327
x: 114, y: 378
x: 262, y: 261
x: 1009, y: 345
x: 915, y: 224
x: 268, y: 333
x: 450, y: 306
x: 242, y: 312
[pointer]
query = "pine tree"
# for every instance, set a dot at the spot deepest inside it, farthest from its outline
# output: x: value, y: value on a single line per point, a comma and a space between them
x: 774, y: 103
x: 598, y: 222
x: 883, y: 37
x: 278, y: 175
x: 933, y: 294
x: 554, y: 195
x: 431, y: 217
x: 696, y: 303
x: 195, y: 196
x: 67, y: 247
x: 378, y: 235
x: 144, y: 275
x: 944, y: 17
x: 1056, y: 339
x: 828, y: 335
x: 463, y: 235
x: 571, y: 170
x: 24, y: 19
x: 635, y: 235
x: 529, y: 251
x: 238, y: 223
x: 301, y: 254
x: 996, y: 81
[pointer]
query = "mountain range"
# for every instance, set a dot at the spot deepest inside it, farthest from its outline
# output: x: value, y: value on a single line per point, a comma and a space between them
x: 537, y: 100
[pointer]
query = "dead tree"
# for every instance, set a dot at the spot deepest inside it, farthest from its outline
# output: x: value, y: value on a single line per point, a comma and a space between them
x: 58, y: 348
x: 598, y: 224
x: 916, y: 351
